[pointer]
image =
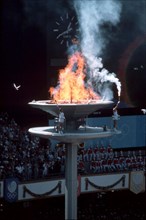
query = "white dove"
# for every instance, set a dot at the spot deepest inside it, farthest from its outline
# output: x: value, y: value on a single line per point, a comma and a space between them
x: 144, y: 111
x: 16, y: 87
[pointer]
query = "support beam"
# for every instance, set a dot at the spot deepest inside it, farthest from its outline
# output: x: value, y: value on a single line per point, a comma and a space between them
x: 71, y: 182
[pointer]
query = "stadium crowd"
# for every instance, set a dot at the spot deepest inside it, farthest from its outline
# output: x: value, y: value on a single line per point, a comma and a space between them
x: 31, y: 158
x: 27, y: 157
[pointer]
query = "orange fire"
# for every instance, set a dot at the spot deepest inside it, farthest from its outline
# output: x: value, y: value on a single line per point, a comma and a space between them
x: 71, y: 84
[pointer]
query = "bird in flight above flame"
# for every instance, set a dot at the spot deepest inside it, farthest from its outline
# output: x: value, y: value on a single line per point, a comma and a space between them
x: 16, y: 87
x: 144, y: 111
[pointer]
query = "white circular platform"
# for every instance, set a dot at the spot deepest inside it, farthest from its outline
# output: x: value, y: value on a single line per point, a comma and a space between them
x: 78, y: 136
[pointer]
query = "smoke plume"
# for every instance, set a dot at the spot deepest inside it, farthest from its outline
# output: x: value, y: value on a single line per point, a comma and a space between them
x: 92, y: 14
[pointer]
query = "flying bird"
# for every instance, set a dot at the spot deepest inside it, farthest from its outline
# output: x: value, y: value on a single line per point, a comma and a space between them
x: 144, y: 111
x: 16, y: 87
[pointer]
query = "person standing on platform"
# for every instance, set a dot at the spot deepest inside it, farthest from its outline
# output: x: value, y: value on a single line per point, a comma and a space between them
x: 61, y: 120
x: 115, y: 116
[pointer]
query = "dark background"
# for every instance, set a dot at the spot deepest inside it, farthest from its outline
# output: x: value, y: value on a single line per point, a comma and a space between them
x: 28, y: 46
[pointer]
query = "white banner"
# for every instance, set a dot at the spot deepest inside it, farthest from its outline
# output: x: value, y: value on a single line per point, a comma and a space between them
x: 137, y: 182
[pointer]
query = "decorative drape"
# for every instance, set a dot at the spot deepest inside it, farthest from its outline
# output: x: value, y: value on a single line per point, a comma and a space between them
x: 88, y: 182
x: 26, y: 190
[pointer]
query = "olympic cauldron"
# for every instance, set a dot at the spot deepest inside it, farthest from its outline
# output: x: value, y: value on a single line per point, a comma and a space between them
x: 74, y: 113
x: 75, y: 133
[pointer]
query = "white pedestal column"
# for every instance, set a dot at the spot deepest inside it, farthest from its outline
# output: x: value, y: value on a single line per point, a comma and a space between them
x: 71, y: 182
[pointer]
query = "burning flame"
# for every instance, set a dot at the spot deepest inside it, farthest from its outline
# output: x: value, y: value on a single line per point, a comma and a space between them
x: 71, y: 84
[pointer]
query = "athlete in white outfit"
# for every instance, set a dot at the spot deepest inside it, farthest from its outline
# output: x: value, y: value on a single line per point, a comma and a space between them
x: 61, y: 120
x: 116, y: 116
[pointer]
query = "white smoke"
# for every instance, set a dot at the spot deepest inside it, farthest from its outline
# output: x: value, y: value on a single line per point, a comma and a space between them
x: 101, y: 79
x: 91, y: 15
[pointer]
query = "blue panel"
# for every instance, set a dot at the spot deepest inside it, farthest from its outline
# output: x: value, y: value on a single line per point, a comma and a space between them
x: 133, y: 130
x: 11, y: 189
